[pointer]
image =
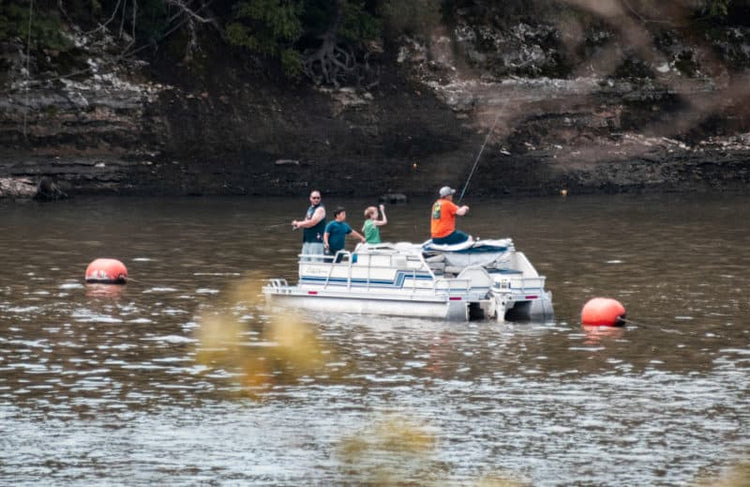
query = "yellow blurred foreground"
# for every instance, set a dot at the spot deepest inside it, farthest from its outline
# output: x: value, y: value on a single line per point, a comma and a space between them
x: 259, y: 351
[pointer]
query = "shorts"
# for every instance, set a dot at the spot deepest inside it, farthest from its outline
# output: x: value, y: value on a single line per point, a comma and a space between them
x: 310, y: 249
x: 456, y: 237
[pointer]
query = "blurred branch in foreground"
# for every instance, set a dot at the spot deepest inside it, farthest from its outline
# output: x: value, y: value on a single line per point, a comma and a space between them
x: 393, y: 450
x: 258, y: 351
x: 398, y: 450
x: 736, y: 476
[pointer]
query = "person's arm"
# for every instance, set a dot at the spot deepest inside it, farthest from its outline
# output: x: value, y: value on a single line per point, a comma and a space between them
x: 319, y: 214
x: 462, y: 210
x: 358, y: 235
x: 325, y: 239
x: 383, y: 219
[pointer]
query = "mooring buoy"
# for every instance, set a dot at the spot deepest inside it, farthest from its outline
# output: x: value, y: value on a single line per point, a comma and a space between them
x: 106, y: 271
x: 603, y: 312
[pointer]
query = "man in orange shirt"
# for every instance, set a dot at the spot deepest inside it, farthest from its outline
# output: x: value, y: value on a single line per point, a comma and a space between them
x: 443, y: 219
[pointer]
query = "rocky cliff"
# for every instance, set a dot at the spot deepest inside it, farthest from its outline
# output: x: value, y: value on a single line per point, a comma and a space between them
x: 662, y: 115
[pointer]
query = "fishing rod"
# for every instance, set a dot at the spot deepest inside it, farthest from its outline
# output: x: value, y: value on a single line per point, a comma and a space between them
x: 476, y: 161
x: 276, y: 225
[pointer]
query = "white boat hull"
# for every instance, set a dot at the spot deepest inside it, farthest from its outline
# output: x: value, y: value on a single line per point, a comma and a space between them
x: 405, y: 280
x: 380, y: 305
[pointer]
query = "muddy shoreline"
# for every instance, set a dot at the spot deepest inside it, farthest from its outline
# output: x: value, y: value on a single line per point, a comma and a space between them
x: 496, y: 176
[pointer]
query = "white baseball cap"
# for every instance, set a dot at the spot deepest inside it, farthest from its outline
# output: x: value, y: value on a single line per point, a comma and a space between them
x: 446, y: 190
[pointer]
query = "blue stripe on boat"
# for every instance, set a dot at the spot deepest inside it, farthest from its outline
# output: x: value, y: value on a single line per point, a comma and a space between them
x: 397, y: 283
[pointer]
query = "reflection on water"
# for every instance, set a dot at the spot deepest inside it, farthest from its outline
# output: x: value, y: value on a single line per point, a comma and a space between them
x: 104, y: 290
x: 106, y: 384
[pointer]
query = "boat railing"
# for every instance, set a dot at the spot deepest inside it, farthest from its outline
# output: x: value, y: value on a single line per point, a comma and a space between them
x: 522, y: 285
x: 311, y: 258
x: 452, y: 285
x: 279, y: 286
x: 338, y: 259
x: 409, y: 264
x: 530, y: 284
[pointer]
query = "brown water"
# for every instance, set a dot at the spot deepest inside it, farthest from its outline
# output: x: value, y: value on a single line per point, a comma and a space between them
x: 103, y: 387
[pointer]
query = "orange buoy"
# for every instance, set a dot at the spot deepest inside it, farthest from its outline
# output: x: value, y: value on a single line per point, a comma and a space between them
x: 603, y: 312
x: 107, y: 271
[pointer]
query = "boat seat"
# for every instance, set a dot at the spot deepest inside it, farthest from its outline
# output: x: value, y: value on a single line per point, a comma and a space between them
x: 435, y: 258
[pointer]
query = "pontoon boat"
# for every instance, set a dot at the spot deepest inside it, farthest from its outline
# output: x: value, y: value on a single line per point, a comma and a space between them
x: 484, y: 279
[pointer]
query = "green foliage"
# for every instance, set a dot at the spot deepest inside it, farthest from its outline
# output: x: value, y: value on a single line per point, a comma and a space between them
x: 291, y: 63
x: 283, y: 29
x: 716, y: 8
x: 151, y: 22
x: 153, y: 19
x: 46, y: 28
x: 357, y: 24
x: 269, y: 28
x: 266, y: 27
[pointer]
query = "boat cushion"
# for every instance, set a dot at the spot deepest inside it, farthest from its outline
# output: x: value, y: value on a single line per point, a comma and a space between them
x: 471, y: 246
x: 487, y: 253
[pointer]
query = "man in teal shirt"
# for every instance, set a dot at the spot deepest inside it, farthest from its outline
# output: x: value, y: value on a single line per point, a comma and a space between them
x: 334, y: 237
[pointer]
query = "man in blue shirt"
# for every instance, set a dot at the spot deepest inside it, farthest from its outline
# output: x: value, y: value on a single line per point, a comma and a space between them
x: 334, y: 237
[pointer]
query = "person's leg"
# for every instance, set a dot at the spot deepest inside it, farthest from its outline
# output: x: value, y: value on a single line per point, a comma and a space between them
x: 317, y: 249
x: 332, y: 252
x: 305, y: 252
x: 458, y: 237
x: 454, y: 238
x: 311, y: 250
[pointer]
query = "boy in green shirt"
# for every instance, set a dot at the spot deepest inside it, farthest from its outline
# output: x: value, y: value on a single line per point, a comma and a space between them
x: 371, y: 227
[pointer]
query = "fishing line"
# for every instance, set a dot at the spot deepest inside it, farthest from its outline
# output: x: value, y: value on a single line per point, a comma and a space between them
x: 476, y: 161
x: 147, y: 282
x: 28, y: 72
x: 649, y: 327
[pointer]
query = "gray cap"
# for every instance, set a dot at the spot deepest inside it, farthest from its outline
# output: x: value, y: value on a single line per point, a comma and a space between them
x: 446, y: 190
